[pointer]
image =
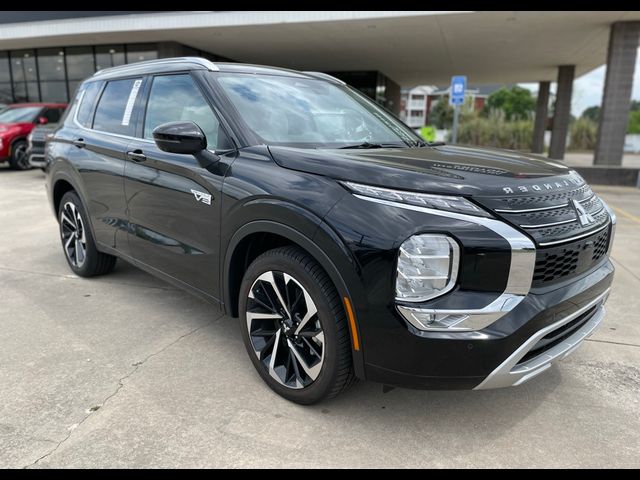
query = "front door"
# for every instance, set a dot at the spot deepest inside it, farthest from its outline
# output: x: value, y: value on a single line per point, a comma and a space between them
x: 173, y: 203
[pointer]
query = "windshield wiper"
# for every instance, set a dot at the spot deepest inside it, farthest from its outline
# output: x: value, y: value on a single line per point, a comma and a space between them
x: 372, y: 145
x: 422, y: 143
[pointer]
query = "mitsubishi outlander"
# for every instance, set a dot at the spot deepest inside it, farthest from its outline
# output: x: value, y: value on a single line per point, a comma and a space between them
x: 347, y: 246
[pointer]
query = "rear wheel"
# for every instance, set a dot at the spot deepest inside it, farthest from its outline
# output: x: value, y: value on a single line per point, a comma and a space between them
x: 77, y: 242
x: 294, y: 326
x: 19, y: 159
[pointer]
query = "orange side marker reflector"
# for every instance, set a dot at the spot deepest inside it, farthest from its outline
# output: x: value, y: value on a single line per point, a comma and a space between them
x: 352, y: 324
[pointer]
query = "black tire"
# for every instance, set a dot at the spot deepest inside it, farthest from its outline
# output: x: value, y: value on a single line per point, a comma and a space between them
x: 336, y: 372
x: 19, y: 159
x: 91, y: 262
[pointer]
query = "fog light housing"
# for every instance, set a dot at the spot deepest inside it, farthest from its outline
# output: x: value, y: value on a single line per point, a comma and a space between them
x: 427, y: 267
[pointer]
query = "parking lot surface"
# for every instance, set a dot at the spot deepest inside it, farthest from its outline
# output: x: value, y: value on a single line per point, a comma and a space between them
x: 126, y: 371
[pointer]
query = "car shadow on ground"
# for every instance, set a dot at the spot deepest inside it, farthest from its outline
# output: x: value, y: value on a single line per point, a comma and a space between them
x: 492, y: 411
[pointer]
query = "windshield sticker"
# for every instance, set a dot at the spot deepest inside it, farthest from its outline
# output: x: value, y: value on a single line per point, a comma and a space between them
x: 132, y: 99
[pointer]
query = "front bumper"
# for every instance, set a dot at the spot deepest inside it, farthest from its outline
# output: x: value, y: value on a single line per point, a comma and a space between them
x: 504, y: 354
x: 37, y: 160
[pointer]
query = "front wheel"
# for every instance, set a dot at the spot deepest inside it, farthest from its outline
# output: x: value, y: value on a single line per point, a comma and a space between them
x: 294, y: 326
x: 19, y: 160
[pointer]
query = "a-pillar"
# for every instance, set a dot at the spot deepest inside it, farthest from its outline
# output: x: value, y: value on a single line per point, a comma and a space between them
x: 562, y: 112
x: 614, y: 113
x: 540, y: 124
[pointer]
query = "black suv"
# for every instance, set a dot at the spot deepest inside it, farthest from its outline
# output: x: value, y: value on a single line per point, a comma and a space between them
x: 347, y: 246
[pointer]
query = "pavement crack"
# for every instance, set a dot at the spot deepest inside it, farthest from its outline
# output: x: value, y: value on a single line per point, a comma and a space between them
x: 612, y: 342
x: 121, y: 380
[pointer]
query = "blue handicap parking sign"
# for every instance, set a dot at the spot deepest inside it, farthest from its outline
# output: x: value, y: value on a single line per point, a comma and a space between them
x: 458, y: 87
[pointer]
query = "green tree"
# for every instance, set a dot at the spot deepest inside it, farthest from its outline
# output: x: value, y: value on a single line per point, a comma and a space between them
x: 592, y: 113
x: 516, y: 103
x: 634, y: 122
x: 441, y: 114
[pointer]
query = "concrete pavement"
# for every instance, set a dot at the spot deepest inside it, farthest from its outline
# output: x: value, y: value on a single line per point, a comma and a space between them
x: 126, y: 371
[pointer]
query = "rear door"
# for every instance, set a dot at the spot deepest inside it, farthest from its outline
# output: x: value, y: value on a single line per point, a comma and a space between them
x: 99, y: 151
x: 173, y: 203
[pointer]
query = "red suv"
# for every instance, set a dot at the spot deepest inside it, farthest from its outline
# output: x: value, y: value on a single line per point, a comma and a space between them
x: 16, y: 122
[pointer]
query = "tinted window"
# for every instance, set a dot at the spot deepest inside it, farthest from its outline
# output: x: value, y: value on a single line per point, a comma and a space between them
x: 80, y: 63
x: 85, y: 111
x: 52, y: 114
x: 115, y: 107
x: 177, y: 97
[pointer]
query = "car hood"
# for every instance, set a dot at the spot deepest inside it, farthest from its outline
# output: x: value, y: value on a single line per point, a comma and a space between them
x: 10, y: 126
x: 442, y: 169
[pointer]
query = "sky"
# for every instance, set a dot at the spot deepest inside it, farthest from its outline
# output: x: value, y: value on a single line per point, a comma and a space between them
x: 587, y: 89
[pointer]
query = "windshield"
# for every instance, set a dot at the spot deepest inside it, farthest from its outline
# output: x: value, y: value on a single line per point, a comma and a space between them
x: 19, y: 114
x: 311, y: 113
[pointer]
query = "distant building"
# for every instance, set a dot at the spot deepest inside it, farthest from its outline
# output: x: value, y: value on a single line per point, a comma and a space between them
x: 417, y: 103
x: 413, y: 105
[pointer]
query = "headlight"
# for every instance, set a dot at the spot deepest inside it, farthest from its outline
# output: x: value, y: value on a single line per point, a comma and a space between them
x: 427, y: 267
x: 439, y: 202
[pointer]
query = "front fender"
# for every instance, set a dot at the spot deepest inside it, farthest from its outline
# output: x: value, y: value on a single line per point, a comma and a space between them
x: 324, y: 246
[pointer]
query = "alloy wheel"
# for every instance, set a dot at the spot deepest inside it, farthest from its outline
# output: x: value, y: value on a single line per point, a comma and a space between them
x: 73, y: 234
x: 20, y: 154
x: 284, y: 329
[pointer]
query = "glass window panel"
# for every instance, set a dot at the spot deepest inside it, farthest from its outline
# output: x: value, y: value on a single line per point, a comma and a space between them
x: 80, y: 63
x: 176, y: 97
x: 110, y: 113
x: 51, y: 64
x: 5, y: 74
x: 23, y: 65
x: 54, y: 92
x: 109, y: 56
x: 6, y: 95
x: 85, y: 110
x: 53, y: 114
x: 26, y: 91
x: 141, y: 52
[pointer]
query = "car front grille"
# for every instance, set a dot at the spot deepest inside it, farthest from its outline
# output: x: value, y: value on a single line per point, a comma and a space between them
x: 557, y: 263
x: 565, y: 245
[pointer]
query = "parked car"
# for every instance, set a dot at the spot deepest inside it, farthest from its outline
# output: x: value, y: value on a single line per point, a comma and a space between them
x: 16, y: 122
x: 347, y: 246
x: 36, y: 143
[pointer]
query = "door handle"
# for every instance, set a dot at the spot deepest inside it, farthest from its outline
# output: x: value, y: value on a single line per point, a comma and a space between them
x: 79, y: 142
x: 136, y: 156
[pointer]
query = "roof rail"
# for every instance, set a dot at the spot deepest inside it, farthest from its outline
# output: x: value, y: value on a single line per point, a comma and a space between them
x: 203, y: 62
x: 325, y: 76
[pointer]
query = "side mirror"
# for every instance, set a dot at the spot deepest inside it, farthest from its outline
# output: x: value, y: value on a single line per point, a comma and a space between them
x: 43, y: 120
x: 185, y: 138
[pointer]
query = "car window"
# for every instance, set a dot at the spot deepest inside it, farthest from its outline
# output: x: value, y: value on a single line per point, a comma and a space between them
x: 52, y: 114
x: 115, y: 106
x: 176, y: 97
x: 85, y: 111
x: 310, y: 113
x: 19, y: 114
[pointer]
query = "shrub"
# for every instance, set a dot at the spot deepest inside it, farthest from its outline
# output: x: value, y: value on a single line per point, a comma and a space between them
x: 583, y: 134
x: 495, y: 131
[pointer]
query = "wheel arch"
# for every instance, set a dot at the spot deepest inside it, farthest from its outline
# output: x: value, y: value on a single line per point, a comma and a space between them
x: 238, y: 256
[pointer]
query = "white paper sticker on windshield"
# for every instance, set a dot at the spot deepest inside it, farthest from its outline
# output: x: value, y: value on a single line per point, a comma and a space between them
x: 132, y: 99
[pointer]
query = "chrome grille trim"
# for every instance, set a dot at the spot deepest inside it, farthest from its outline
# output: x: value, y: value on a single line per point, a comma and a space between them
x: 577, y: 237
x: 530, y: 210
x: 545, y: 225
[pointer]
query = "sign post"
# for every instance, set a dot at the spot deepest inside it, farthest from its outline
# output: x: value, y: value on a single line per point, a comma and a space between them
x: 456, y: 98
